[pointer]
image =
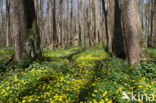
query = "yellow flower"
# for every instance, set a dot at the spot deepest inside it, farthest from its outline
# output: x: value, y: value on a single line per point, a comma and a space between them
x: 109, y: 101
x: 128, y: 92
x: 52, y: 102
x: 23, y: 101
x: 140, y: 101
x: 8, y: 88
x: 60, y: 99
x: 104, y: 93
x: 94, y: 101
x: 93, y: 84
x: 106, y: 99
x: 36, y: 100
x: 95, y: 91
x: 140, y: 86
x: 93, y: 95
x: 102, y: 101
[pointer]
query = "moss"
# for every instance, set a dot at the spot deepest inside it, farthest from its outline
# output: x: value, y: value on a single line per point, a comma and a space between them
x: 144, y: 50
x: 33, y: 44
x: 32, y: 33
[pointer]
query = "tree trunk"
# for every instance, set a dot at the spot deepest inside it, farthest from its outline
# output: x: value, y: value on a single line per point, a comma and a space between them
x: 7, y: 22
x: 54, y: 37
x: 151, y: 27
x: 132, y: 31
x: 71, y: 21
x: 61, y: 21
x: 77, y: 36
x: 143, y: 15
x: 25, y: 30
x: 108, y: 37
x: 19, y: 29
x: 2, y: 23
x: 116, y: 30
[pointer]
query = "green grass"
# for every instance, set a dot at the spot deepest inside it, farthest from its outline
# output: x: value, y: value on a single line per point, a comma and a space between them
x: 60, y: 52
x: 90, y: 76
x: 152, y: 52
x: 5, y: 55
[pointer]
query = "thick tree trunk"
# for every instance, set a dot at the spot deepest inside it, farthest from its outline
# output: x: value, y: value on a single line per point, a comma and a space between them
x: 25, y: 30
x: 33, y: 37
x: 19, y: 28
x: 132, y: 30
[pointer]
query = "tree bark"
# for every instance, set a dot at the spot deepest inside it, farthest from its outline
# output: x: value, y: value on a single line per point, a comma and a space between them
x: 7, y: 22
x: 132, y: 31
x: 24, y: 29
x: 143, y: 14
x: 116, y: 30
x: 19, y: 29
x: 108, y: 36
x: 151, y: 27
x: 2, y: 23
x: 54, y: 37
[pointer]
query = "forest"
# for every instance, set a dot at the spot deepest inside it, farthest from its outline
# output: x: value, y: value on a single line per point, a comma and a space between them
x: 77, y: 51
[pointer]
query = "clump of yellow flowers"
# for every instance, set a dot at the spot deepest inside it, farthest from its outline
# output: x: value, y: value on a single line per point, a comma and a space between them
x: 90, y: 77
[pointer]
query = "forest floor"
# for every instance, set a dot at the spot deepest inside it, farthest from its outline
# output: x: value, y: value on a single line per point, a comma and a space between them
x: 76, y: 75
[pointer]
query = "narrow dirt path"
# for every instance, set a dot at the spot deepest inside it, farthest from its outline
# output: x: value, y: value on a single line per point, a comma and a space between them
x: 69, y: 57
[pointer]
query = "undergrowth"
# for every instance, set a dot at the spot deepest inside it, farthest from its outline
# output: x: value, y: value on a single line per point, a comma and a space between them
x: 152, y: 52
x: 5, y: 56
x: 91, y: 76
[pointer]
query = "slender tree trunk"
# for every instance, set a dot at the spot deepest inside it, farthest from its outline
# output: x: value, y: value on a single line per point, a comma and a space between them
x: 143, y: 14
x: 116, y: 30
x: 61, y: 20
x: 79, y: 22
x: 7, y: 22
x: 151, y: 34
x: 2, y: 23
x: 55, y: 37
x: 108, y: 37
x: 71, y: 21
x: 77, y: 36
